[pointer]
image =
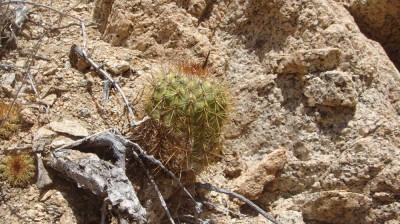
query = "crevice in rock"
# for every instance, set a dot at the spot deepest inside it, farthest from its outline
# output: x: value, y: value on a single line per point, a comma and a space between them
x: 207, y: 11
x: 101, y: 13
x: 379, y: 20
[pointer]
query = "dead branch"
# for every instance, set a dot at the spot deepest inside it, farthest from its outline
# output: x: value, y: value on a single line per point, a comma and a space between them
x: 28, y: 63
x: 39, y: 5
x: 102, y: 178
x: 76, y: 51
x: 151, y: 159
x: 222, y: 209
x: 160, y: 197
x: 109, y: 138
x: 210, y: 187
x: 119, y: 145
x: 143, y: 155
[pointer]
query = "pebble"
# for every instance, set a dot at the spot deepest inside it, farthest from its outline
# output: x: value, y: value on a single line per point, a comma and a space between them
x: 70, y: 127
x: 83, y: 112
x: 49, y: 100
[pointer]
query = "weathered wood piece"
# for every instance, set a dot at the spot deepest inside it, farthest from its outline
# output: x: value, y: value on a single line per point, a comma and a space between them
x: 110, y: 182
x: 102, y: 178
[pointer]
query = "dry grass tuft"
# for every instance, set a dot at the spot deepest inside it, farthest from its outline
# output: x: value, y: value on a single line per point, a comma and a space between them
x: 193, y: 69
x: 11, y: 124
x: 17, y: 169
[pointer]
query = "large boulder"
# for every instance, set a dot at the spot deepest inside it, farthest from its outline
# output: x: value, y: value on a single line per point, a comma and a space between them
x: 302, y: 76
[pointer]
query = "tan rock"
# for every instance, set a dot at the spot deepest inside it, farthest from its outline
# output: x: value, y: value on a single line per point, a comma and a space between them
x: 27, y: 116
x: 41, y: 138
x: 289, y: 217
x: 49, y: 100
x: 336, y: 207
x: 251, y: 183
x: 70, y: 127
x: 302, y: 62
x: 60, y: 141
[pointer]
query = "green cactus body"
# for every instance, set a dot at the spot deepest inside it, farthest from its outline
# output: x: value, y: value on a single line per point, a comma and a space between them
x: 192, y: 105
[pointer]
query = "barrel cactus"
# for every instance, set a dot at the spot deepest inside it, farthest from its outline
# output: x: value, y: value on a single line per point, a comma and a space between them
x: 191, y: 103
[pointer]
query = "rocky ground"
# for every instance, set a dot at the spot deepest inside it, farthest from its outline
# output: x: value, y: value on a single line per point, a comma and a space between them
x: 313, y: 135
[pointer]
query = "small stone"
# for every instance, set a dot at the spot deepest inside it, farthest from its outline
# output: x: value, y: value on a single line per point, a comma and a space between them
x: 50, y: 71
x: 70, y: 127
x: 335, y: 206
x: 60, y: 141
x: 8, y: 90
x: 383, y: 196
x: 38, y: 206
x: 31, y: 213
x: 20, y: 63
x: 47, y: 195
x: 42, y: 137
x: 125, y: 57
x: 49, y: 100
x: 80, y: 8
x: 117, y: 67
x: 43, y: 178
x: 84, y: 112
x: 7, y: 79
x: 27, y: 116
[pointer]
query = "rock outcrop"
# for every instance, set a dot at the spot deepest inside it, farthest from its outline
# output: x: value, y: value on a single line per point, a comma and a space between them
x: 304, y: 75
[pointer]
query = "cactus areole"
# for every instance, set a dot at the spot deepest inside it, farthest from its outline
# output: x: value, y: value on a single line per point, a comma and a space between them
x: 193, y: 105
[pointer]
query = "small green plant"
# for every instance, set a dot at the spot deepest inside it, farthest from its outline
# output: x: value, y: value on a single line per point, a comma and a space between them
x: 17, y: 169
x: 9, y: 125
x: 188, y: 101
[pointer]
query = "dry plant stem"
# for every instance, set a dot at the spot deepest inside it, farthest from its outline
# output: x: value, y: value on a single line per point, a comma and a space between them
x: 160, y: 197
x: 154, y: 161
x: 39, y: 5
x: 222, y: 209
x: 82, y: 23
x: 210, y: 187
x: 151, y: 159
x: 36, y: 48
x: 97, y: 67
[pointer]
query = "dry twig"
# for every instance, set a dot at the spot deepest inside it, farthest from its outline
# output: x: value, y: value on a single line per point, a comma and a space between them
x: 210, y: 187
x: 29, y: 61
x: 160, y: 197
x: 75, y: 50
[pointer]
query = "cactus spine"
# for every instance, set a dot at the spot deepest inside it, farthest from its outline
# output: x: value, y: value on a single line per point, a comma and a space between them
x: 193, y: 105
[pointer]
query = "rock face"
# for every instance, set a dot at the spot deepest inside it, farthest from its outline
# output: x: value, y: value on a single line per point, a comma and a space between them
x: 379, y: 20
x: 303, y: 76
